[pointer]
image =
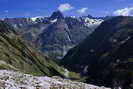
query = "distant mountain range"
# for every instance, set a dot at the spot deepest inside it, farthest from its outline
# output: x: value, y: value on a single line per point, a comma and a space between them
x: 56, y: 34
x: 106, y: 55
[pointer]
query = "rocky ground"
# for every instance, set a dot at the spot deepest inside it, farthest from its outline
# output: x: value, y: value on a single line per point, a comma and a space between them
x: 17, y: 80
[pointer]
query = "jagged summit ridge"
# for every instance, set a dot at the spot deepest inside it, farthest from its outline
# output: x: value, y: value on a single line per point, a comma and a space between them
x: 57, y: 15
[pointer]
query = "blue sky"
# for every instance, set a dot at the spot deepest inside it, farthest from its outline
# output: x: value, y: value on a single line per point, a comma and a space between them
x: 32, y: 8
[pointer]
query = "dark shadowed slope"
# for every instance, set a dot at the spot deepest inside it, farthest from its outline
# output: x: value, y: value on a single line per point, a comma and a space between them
x: 106, y: 55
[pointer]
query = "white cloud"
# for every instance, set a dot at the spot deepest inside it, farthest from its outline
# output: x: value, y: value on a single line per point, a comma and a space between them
x: 82, y: 10
x: 6, y: 11
x: 121, y: 0
x: 65, y: 7
x: 124, y: 12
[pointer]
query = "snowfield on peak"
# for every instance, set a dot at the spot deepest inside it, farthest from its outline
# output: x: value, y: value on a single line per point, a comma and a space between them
x: 35, y: 18
x: 17, y: 80
x: 91, y: 22
x: 53, y: 21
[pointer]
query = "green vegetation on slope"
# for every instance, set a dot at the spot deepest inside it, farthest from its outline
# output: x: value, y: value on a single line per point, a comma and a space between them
x: 16, y: 54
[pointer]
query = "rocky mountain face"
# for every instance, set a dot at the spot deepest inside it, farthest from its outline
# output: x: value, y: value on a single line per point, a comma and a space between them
x: 16, y: 54
x: 56, y: 34
x: 106, y: 55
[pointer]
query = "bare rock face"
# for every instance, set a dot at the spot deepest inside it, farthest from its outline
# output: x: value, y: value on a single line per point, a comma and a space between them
x: 17, y: 80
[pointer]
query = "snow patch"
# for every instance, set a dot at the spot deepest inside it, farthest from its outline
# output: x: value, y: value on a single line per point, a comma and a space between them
x: 66, y: 73
x: 124, y: 41
x: 85, y: 69
x: 91, y: 22
x: 53, y: 21
x: 35, y: 18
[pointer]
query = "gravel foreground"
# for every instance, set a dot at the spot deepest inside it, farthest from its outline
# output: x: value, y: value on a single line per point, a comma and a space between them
x: 17, y: 80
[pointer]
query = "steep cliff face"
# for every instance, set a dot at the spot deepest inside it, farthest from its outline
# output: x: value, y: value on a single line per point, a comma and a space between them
x: 106, y: 55
x: 62, y: 35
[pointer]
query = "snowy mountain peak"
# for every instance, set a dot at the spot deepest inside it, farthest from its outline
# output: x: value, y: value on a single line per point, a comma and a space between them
x: 91, y: 21
x: 35, y: 18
